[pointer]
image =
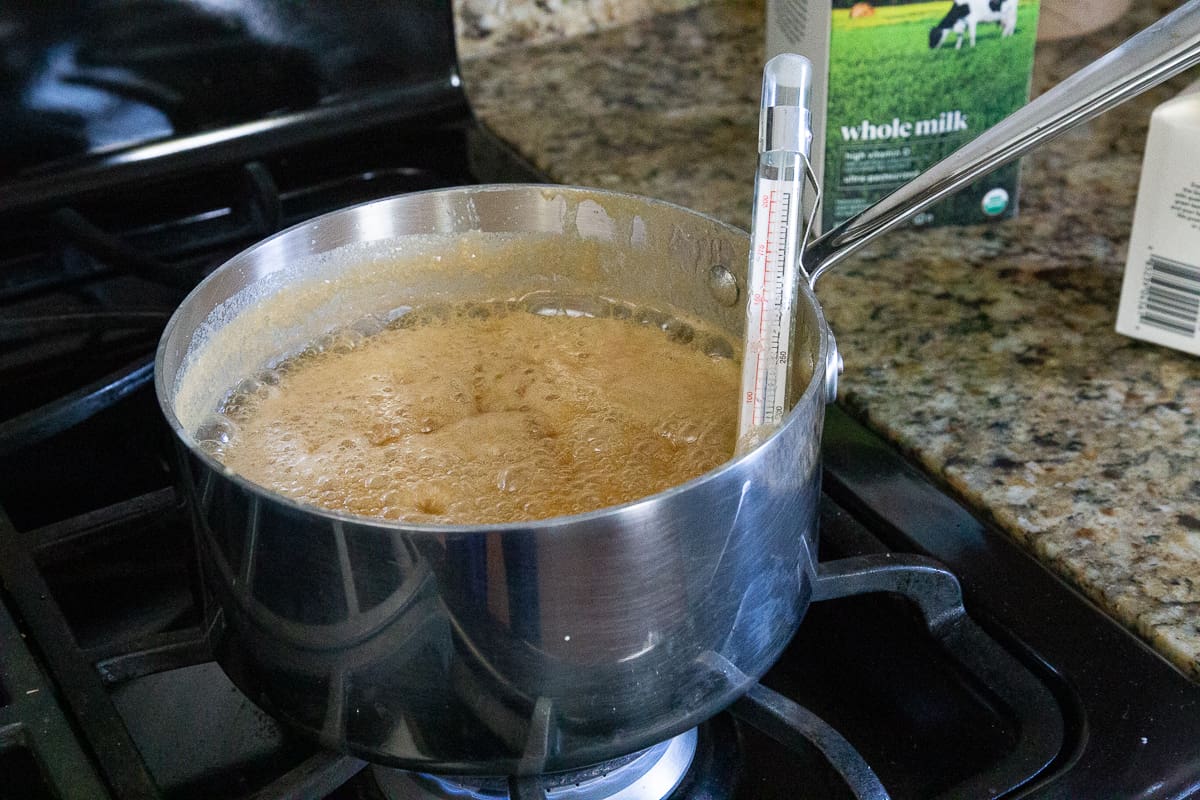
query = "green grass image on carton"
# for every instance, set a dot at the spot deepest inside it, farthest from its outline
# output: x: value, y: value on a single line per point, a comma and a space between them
x: 896, y: 106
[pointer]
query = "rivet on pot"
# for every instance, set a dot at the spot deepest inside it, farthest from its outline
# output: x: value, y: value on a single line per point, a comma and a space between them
x: 833, y: 368
x: 722, y: 285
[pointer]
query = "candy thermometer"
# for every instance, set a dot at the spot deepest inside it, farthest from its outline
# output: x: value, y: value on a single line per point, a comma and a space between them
x: 784, y: 138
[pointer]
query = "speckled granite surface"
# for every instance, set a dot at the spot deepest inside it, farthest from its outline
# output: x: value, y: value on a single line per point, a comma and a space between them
x: 985, y: 352
x: 486, y: 26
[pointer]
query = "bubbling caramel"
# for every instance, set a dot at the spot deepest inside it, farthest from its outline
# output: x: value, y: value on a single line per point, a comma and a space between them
x: 485, y: 413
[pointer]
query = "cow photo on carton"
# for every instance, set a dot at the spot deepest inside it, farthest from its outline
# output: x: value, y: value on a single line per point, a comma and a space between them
x: 964, y: 16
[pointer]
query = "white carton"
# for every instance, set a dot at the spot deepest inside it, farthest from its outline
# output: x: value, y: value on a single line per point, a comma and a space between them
x: 1160, y: 296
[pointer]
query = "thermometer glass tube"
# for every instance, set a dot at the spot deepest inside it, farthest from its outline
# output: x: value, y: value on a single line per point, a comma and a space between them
x: 775, y: 246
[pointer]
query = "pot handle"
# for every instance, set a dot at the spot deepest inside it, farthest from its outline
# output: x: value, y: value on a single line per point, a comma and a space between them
x: 1159, y: 52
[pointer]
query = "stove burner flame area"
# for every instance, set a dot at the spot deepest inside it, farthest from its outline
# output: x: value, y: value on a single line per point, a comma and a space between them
x: 650, y: 774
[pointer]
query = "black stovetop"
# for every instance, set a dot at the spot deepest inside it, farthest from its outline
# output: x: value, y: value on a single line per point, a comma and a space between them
x: 107, y: 686
x: 94, y: 78
x: 109, y: 689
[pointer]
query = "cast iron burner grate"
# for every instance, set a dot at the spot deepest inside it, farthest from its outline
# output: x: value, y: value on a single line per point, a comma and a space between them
x: 107, y: 689
x: 116, y: 686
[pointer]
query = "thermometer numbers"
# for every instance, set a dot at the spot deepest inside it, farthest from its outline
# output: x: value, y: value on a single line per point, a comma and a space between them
x: 771, y: 287
x: 769, y: 309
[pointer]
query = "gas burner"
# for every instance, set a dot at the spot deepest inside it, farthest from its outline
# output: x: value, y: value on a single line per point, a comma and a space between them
x: 651, y: 774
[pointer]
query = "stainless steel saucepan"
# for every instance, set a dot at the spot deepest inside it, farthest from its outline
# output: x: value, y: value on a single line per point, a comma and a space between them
x: 533, y: 647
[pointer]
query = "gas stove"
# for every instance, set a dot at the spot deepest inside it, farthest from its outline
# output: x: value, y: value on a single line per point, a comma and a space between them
x: 888, y: 690
x: 939, y: 661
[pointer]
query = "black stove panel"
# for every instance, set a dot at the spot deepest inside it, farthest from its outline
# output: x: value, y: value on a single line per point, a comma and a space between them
x: 85, y: 78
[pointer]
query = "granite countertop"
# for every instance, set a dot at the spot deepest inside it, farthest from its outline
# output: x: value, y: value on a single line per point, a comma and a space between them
x: 987, y: 353
x: 486, y: 26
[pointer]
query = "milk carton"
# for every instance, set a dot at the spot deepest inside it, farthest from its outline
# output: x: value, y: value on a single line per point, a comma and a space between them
x: 1160, y: 297
x: 901, y: 85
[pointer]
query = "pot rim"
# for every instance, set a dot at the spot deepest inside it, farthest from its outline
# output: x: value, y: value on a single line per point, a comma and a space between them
x: 630, y: 508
